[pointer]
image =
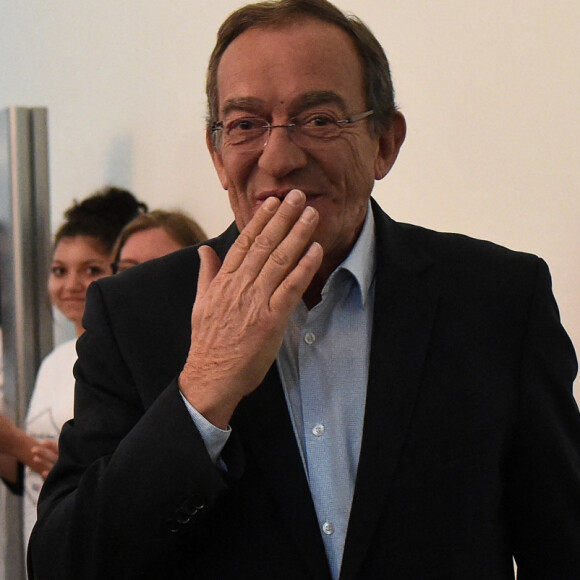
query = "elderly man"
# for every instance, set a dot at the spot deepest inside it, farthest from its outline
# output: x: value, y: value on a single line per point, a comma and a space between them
x: 319, y: 392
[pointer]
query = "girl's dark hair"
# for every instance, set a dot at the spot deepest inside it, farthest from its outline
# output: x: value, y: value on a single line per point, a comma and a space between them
x: 101, y: 216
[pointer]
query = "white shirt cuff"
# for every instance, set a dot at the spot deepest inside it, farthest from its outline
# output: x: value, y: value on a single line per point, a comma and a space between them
x: 213, y: 437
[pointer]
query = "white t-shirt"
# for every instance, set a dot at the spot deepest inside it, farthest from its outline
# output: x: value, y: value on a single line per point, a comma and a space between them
x: 50, y: 407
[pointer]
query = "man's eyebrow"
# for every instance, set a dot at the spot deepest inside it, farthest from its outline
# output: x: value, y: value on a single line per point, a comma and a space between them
x: 300, y: 103
x: 248, y: 104
x: 314, y: 98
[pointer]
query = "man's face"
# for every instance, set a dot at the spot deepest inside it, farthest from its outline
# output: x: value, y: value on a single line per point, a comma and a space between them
x: 280, y: 74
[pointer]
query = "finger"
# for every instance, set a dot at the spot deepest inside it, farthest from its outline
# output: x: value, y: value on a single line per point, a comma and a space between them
x: 40, y: 466
x: 289, y: 293
x: 244, y: 241
x: 208, y: 268
x: 50, y: 457
x: 42, y: 460
x: 266, y: 242
x: 270, y: 233
x: 37, y: 453
x: 50, y: 444
x: 45, y: 453
x: 288, y: 253
x: 53, y: 445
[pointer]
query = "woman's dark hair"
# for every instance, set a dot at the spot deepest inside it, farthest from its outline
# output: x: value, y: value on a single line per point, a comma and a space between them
x: 100, y: 216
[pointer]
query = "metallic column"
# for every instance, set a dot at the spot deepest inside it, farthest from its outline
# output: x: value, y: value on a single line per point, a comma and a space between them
x: 25, y: 254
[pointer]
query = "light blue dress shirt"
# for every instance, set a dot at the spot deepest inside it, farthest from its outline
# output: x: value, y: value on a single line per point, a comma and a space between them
x: 323, y: 365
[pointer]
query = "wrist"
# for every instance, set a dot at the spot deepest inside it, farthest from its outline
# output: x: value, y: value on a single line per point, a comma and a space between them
x: 208, y: 400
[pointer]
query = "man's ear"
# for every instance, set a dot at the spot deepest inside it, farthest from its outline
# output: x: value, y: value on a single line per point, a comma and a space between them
x: 390, y: 143
x: 217, y: 160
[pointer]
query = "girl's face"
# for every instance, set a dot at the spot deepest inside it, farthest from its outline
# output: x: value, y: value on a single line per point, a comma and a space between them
x: 77, y: 261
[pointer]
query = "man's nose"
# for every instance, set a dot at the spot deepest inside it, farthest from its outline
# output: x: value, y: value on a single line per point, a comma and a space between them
x: 281, y: 155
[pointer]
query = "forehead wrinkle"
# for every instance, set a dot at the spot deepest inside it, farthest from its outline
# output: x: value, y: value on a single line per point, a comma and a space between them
x: 300, y: 103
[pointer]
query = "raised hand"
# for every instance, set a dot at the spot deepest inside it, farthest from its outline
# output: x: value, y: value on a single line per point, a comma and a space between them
x: 242, y: 306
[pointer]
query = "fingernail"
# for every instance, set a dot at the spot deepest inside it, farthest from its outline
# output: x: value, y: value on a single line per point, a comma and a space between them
x: 270, y: 204
x: 315, y: 248
x: 294, y: 197
x: 308, y: 215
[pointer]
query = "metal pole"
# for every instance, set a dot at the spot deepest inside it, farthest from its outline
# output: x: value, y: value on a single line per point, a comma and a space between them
x: 24, y: 263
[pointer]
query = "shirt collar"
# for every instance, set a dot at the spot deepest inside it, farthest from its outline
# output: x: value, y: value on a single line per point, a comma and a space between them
x: 361, y: 261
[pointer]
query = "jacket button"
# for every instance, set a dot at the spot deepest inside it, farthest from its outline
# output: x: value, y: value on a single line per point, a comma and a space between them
x: 195, y: 503
x: 183, y: 517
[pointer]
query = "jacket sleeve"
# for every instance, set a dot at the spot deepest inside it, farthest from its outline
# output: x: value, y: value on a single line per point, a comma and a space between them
x: 16, y: 487
x: 131, y: 476
x: 544, y: 494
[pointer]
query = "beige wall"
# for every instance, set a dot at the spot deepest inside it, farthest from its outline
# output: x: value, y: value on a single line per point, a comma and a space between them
x: 490, y: 90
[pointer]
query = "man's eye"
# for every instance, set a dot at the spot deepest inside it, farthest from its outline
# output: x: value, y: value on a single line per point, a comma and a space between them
x: 242, y: 125
x: 318, y: 121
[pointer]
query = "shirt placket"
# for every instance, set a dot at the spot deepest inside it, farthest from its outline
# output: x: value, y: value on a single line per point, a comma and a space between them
x: 325, y: 459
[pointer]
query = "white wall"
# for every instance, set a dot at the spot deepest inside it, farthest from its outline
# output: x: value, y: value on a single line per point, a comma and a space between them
x: 490, y: 89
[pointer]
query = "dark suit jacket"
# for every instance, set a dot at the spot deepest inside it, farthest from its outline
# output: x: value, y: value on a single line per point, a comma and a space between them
x: 470, y: 451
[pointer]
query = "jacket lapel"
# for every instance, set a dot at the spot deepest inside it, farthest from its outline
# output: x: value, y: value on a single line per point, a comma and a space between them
x: 405, y: 304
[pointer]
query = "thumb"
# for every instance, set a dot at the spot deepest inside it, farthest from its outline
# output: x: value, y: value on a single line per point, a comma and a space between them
x: 209, y: 266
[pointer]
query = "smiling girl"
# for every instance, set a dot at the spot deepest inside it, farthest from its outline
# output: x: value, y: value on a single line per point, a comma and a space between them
x: 82, y: 253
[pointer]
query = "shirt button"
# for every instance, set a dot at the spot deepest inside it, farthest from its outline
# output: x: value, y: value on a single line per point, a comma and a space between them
x: 328, y: 528
x: 309, y: 338
x: 318, y: 430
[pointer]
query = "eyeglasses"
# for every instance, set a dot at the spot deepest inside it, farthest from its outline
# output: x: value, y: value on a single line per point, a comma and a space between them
x: 254, y: 132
